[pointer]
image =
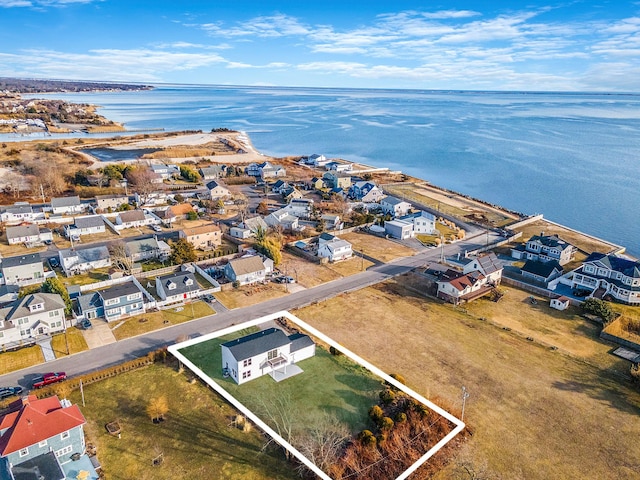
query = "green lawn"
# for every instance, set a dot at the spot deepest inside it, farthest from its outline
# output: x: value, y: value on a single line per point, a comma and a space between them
x: 75, y: 340
x: 150, y: 321
x: 329, y: 385
x: 23, y: 358
x: 196, y: 439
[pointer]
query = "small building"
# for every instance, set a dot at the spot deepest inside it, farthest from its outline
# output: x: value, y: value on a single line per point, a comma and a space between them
x: 122, y: 301
x: 331, y: 222
x: 67, y: 205
x: 333, y: 248
x: 175, y: 213
x: 337, y: 180
x: 560, y: 303
x: 204, y: 237
x: 30, y: 233
x: 177, y: 287
x: 399, y: 229
x: 75, y: 261
x: 217, y: 190
x: 317, y: 183
x: 254, y: 224
x: 300, y: 207
x: 165, y: 171
x: 269, y: 351
x: 33, y: 315
x: 282, y: 218
x: 458, y: 287
x: 87, y: 225
x: 246, y: 270
x: 365, y: 191
x: 110, y: 202
x: 239, y: 232
x: 43, y: 436
x: 316, y: 160
x: 339, y: 166
x: 395, y: 206
x: 22, y: 270
x: 541, y: 272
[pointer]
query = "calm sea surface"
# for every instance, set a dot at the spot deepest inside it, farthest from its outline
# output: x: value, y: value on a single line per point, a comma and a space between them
x: 573, y: 157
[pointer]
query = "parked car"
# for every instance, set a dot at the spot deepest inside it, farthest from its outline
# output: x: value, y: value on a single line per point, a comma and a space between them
x: 48, y: 379
x: 209, y: 298
x: 86, y: 324
x: 284, y: 279
x: 53, y: 261
x: 10, y: 391
x: 156, y: 228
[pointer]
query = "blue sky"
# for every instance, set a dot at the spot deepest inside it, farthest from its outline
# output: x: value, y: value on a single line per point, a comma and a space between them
x: 467, y: 45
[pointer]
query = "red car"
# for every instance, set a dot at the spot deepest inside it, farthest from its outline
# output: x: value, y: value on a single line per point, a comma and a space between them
x: 48, y: 379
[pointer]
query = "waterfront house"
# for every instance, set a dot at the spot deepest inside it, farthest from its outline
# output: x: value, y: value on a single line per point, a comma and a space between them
x: 110, y: 202
x: 395, y: 206
x: 28, y: 234
x: 333, y: 248
x: 75, y: 261
x: 269, y: 351
x: 67, y: 205
x: 265, y: 170
x: 22, y: 270
x: 217, y: 190
x: 424, y: 223
x: 339, y: 166
x: 609, y: 277
x: 541, y: 272
x: 486, y: 263
x: 40, y: 438
x: 204, y: 237
x: 246, y: 270
x: 177, y: 287
x: 316, y: 160
x: 399, y: 229
x: 545, y: 248
x: 33, y: 315
x: 87, y: 225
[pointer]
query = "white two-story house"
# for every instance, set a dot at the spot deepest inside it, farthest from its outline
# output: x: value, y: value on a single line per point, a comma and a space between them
x: 269, y: 351
x: 31, y: 316
x: 333, y: 248
x: 545, y: 248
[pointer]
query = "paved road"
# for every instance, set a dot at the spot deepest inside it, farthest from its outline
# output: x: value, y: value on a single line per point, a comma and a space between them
x: 128, y: 349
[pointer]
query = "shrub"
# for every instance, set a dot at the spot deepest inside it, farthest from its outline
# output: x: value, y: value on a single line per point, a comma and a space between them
x: 401, y: 417
x: 635, y: 372
x: 386, y: 424
x: 387, y: 396
x: 334, y: 351
x: 600, y: 308
x: 367, y: 438
x: 376, y: 414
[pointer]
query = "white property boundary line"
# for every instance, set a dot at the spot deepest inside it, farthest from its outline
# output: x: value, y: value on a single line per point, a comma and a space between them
x: 174, y: 349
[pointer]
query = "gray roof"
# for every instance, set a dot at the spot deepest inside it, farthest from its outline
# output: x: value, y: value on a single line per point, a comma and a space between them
x: 142, y: 245
x: 255, y: 222
x: 256, y: 343
x: 22, y: 231
x: 489, y: 263
x: 180, y: 280
x: 120, y: 290
x: 18, y: 209
x: 393, y: 200
x: 243, y: 266
x: 131, y: 216
x: 541, y: 269
x: 52, y: 301
x: 27, y: 259
x: 551, y: 241
x: 112, y: 197
x: 65, y: 201
x: 629, y: 268
x: 89, y: 221
x: 90, y: 301
x: 300, y: 341
x: 213, y: 184
x: 91, y: 254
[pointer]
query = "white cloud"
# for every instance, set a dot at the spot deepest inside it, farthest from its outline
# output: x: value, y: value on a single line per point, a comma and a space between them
x: 278, y: 25
x: 41, y: 3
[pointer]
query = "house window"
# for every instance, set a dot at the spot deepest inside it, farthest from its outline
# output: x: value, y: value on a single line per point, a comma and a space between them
x: 64, y: 451
x: 24, y: 452
x: 43, y: 443
x: 133, y: 296
x: 272, y: 354
x: 246, y: 363
x: 135, y: 305
x: 113, y: 311
x: 54, y: 313
x: 111, y: 301
x: 64, y: 435
x: 246, y: 374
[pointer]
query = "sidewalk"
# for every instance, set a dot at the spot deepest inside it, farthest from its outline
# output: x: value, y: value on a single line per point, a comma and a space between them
x: 47, y: 349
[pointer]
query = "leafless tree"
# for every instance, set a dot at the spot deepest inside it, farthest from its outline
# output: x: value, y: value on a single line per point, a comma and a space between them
x: 279, y: 413
x: 140, y: 178
x: 14, y: 183
x: 323, y: 441
x: 120, y: 256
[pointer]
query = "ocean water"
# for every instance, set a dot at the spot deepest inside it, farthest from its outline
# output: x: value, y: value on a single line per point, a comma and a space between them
x: 573, y: 157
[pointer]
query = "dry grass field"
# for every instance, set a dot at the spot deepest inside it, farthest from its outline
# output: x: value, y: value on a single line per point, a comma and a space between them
x: 584, y: 243
x: 379, y: 248
x: 250, y: 295
x: 535, y: 413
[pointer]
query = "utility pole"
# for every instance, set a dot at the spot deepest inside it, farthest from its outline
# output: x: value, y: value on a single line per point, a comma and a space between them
x: 465, y: 395
x: 362, y: 259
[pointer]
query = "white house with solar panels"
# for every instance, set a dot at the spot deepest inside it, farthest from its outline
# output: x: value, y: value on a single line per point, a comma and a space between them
x: 267, y: 352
